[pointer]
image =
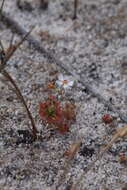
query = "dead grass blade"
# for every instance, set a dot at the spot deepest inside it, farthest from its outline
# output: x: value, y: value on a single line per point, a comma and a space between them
x: 20, y: 96
x: 11, y: 50
x: 1, y: 8
x: 71, y: 152
x: 8, y: 54
x: 119, y: 134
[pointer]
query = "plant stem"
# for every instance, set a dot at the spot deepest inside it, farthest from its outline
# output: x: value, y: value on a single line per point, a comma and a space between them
x: 75, y: 9
x: 1, y: 8
x: 20, y: 96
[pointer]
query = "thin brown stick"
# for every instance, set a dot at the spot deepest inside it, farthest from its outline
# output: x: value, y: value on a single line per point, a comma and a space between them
x: 75, y: 9
x: 2, y: 56
x: 67, y: 163
x: 12, y: 49
x: 20, y: 96
x: 1, y: 8
x: 8, y: 55
x: 11, y: 41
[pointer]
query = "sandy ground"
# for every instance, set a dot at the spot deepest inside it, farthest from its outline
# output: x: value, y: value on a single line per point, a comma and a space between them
x: 93, y: 47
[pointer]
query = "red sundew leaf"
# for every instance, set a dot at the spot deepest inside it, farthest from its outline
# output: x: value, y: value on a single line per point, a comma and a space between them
x: 63, y: 128
x: 51, y: 85
x: 54, y: 120
x: 122, y: 158
x: 50, y: 110
x: 53, y: 113
x: 69, y: 111
x: 107, y: 118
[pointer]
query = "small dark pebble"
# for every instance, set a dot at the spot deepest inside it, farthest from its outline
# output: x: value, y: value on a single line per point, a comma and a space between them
x: 92, y: 141
x: 25, y: 137
x: 2, y: 55
x: 19, y: 119
x: 44, y: 4
x: 2, y: 87
x: 114, y: 151
x: 16, y: 66
x: 24, y: 6
x: 69, y: 186
x: 85, y: 151
x: 93, y: 67
x: 115, y: 2
x: 125, y: 187
x: 23, y: 132
x: 7, y: 171
x: 110, y: 99
x: 62, y: 17
x: 37, y: 146
x: 85, y: 90
x: 10, y: 98
x: 11, y: 132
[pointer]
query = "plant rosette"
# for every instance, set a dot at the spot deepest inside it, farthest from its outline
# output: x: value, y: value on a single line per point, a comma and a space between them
x: 52, y: 113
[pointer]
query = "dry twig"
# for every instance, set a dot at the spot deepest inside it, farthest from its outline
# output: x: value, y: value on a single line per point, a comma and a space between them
x: 75, y: 8
x: 71, y: 154
x: 1, y: 8
x: 7, y: 56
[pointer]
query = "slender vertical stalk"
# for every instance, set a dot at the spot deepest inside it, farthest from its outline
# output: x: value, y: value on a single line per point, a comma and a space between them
x: 2, y: 5
x: 20, y: 96
x: 8, y: 55
x: 11, y: 50
x: 75, y: 9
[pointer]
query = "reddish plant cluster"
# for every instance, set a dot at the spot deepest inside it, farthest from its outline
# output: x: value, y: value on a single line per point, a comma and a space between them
x: 123, y: 158
x: 53, y: 113
x: 107, y: 118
